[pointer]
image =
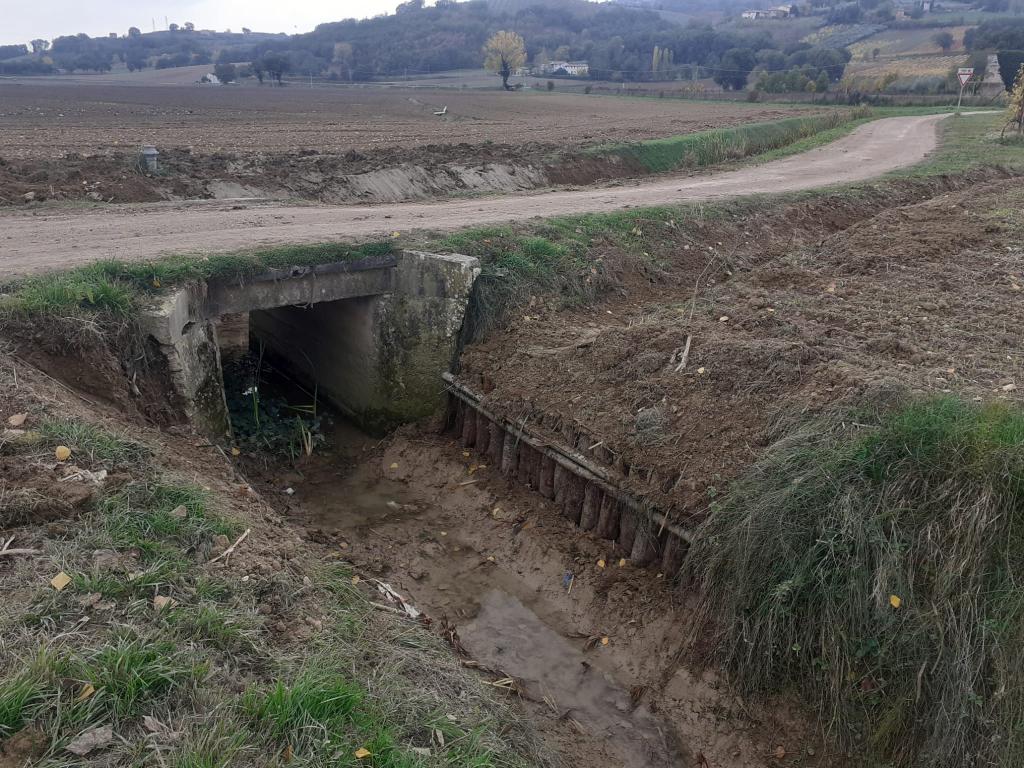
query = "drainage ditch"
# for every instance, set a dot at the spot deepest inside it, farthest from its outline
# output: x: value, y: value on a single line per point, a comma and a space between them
x: 534, y: 556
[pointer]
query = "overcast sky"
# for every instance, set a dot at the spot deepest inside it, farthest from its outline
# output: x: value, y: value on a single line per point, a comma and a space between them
x: 23, y: 20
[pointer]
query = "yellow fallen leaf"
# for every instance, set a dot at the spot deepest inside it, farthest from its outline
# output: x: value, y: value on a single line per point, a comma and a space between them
x: 604, y: 641
x: 780, y: 752
x: 362, y: 753
x: 60, y: 581
x: 622, y: 562
x: 465, y: 454
x: 600, y: 563
x: 235, y: 452
x: 394, y: 466
x: 156, y: 282
x: 356, y: 579
x: 895, y: 601
x: 87, y: 691
x: 62, y: 452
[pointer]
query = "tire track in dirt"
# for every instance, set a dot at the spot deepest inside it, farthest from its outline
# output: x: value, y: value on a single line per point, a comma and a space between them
x: 50, y: 239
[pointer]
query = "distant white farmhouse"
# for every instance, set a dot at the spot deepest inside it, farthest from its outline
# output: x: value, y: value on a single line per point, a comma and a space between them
x: 572, y: 68
x: 778, y: 12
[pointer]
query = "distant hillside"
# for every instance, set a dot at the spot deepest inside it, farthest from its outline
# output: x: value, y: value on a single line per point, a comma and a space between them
x: 619, y: 43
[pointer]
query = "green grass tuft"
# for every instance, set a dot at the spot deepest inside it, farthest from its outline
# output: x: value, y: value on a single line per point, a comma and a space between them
x: 162, y: 520
x: 878, y: 568
x: 94, y: 442
x: 131, y: 672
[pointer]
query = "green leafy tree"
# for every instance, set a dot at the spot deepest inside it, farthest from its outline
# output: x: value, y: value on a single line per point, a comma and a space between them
x: 944, y: 40
x: 276, y: 66
x: 225, y: 72
x: 504, y: 52
x: 734, y: 68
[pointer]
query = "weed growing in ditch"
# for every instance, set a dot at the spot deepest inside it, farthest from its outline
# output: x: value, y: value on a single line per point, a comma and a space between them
x: 263, y: 418
x: 876, y: 563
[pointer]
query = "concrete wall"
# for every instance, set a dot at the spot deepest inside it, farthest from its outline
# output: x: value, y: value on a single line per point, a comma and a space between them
x: 189, y: 344
x: 379, y: 358
x: 374, y: 336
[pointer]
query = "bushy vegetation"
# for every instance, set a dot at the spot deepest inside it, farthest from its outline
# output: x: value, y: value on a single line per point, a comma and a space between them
x: 994, y: 35
x: 874, y: 562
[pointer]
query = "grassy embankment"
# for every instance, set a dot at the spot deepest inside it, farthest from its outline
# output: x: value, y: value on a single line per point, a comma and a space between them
x: 163, y: 660
x: 710, y: 148
x: 874, y: 561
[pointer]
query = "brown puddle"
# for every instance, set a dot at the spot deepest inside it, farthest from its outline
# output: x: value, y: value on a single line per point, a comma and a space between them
x: 507, y: 635
x: 594, y: 647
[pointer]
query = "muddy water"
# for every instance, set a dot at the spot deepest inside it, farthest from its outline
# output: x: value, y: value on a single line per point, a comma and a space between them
x: 594, y: 646
x: 507, y: 635
x: 398, y: 531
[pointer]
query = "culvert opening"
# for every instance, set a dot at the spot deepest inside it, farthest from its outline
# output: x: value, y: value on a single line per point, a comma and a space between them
x: 283, y: 403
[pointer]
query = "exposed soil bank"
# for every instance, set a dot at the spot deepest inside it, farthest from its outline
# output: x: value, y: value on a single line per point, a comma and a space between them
x: 825, y: 302
x: 330, y: 145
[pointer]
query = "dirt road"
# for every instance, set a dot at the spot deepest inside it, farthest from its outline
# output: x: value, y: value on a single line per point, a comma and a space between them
x: 48, y: 239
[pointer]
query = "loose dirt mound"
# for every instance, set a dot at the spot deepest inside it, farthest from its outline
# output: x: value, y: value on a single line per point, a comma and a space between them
x: 786, y: 317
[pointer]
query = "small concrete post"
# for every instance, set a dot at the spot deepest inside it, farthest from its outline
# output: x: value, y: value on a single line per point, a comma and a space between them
x: 149, y: 155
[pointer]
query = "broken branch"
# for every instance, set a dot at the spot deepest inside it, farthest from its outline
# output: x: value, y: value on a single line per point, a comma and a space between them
x: 684, y: 358
x: 227, y: 552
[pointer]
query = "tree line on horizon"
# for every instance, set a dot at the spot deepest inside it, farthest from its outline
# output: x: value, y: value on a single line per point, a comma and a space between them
x: 620, y: 43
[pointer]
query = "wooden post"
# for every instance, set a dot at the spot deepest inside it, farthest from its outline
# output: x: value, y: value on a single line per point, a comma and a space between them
x: 546, y: 483
x: 510, y: 455
x: 608, y: 518
x: 496, y: 444
x: 483, y: 433
x: 591, y: 507
x: 572, y: 505
x: 469, y: 427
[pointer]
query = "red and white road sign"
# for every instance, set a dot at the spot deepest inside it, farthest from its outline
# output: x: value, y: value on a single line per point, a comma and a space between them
x: 964, y: 74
